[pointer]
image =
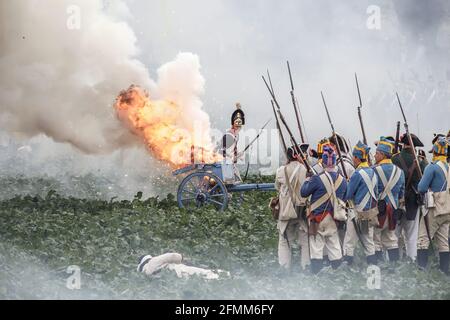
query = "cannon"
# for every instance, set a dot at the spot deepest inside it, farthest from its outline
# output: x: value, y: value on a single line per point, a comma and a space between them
x: 211, y: 185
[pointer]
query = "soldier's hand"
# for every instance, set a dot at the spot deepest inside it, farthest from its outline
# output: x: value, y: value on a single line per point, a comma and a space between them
x: 240, y: 155
x: 401, y: 203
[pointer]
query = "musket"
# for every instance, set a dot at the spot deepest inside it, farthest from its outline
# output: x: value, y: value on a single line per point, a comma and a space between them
x: 270, y: 81
x: 256, y: 138
x: 275, y: 114
x: 338, y: 148
x: 291, y: 136
x: 397, y: 138
x: 248, y: 146
x: 359, y: 112
x: 272, y: 93
x: 279, y: 128
x: 416, y: 164
x: 295, y: 105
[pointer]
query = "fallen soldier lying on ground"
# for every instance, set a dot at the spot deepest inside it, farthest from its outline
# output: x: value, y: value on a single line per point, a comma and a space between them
x: 172, y: 261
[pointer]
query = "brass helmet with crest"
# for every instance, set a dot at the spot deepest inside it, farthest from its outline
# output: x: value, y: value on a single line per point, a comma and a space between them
x: 238, y: 116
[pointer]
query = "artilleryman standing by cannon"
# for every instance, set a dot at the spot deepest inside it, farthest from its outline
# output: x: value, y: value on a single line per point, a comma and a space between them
x: 229, y: 143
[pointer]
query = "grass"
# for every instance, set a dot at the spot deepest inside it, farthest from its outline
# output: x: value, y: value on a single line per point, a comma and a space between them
x: 40, y: 236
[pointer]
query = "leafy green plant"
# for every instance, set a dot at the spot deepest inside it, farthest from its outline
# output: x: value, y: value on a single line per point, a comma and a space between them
x: 106, y: 237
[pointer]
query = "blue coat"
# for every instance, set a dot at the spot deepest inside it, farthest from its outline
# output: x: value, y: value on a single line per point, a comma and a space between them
x: 433, y: 178
x: 357, y: 188
x: 316, y: 189
x: 398, y: 191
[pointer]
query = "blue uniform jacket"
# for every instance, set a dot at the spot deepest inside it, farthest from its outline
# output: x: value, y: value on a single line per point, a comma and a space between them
x: 398, y: 191
x: 433, y: 178
x: 357, y: 188
x: 316, y: 189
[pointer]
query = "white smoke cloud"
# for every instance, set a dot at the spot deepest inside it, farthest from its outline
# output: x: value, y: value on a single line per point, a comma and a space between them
x: 180, y: 81
x: 62, y: 82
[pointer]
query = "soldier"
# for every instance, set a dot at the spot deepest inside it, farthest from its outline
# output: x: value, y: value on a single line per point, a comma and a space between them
x: 448, y: 152
x: 230, y: 139
x: 345, y: 150
x: 291, y: 223
x: 362, y: 190
x: 349, y: 171
x: 318, y: 168
x: 318, y: 165
x: 436, y: 178
x: 151, y: 265
x: 327, y: 191
x: 391, y: 187
x: 409, y: 222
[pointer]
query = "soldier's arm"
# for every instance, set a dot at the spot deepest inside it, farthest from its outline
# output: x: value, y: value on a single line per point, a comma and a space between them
x: 309, y: 186
x: 425, y: 182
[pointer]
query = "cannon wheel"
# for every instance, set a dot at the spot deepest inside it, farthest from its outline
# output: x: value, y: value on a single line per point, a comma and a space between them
x: 202, y: 189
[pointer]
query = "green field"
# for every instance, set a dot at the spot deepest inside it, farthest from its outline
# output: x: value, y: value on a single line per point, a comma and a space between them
x: 40, y: 236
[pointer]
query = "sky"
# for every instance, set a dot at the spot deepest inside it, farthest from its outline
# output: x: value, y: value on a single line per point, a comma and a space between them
x: 326, y: 43
x: 57, y: 86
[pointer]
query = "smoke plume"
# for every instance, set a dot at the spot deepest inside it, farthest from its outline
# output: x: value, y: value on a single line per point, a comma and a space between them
x: 60, y: 79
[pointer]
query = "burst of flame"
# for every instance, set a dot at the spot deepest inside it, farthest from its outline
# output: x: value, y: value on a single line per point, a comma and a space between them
x: 160, y: 124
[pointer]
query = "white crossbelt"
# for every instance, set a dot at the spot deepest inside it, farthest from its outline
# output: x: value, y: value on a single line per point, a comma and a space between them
x: 285, y: 189
x: 446, y: 174
x: 389, y: 185
x: 331, y: 192
x: 371, y: 186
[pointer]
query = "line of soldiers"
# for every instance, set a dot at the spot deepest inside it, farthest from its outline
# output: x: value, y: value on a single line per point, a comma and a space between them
x: 384, y: 205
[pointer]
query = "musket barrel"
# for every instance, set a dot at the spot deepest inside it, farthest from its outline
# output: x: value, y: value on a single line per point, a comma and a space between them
x: 295, y: 105
x: 296, y: 145
x: 359, y: 93
x: 397, y: 138
x: 410, y: 140
x: 279, y: 128
x: 338, y: 148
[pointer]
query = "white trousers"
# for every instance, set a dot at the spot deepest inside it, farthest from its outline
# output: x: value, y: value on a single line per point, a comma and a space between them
x: 439, y: 229
x: 385, y: 238
x: 327, y: 237
x: 351, y: 239
x: 296, y: 231
x: 408, y: 232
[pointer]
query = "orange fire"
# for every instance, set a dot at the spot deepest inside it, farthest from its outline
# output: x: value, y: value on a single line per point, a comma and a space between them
x: 159, y: 122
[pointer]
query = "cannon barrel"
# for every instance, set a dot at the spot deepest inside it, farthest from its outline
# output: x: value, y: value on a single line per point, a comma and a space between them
x: 252, y: 186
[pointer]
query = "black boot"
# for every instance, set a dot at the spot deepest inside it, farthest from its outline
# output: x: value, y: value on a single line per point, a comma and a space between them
x: 444, y: 261
x: 372, y: 259
x: 349, y: 260
x: 394, y: 255
x: 422, y: 258
x: 336, y: 263
x: 316, y: 265
x: 379, y: 255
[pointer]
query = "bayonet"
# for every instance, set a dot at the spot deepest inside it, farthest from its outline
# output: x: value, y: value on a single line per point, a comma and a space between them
x: 295, y: 105
x: 359, y: 112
